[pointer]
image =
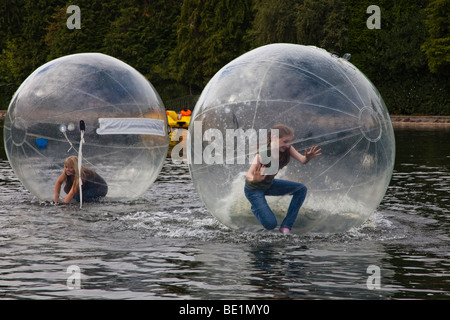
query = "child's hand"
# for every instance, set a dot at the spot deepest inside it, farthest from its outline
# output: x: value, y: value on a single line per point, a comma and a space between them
x: 312, y: 153
x: 259, y: 173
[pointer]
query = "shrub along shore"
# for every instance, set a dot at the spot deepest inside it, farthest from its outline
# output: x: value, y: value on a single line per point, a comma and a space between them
x: 179, y: 45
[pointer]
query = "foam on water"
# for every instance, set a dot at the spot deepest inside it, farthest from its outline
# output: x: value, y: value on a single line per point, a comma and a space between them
x: 318, y: 213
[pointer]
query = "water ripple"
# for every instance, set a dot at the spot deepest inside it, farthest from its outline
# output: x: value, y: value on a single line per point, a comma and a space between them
x: 166, y: 245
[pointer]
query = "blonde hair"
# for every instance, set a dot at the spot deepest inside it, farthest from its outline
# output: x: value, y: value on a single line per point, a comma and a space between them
x: 72, y: 162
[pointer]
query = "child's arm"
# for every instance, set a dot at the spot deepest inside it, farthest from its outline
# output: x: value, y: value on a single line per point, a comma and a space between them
x: 254, y: 172
x: 71, y: 194
x: 58, y: 184
x: 312, y: 153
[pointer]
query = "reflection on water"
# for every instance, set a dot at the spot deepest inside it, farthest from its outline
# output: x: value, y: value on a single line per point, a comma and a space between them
x: 167, y: 245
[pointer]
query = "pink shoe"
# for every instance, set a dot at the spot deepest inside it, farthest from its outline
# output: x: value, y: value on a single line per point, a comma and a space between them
x: 285, y: 230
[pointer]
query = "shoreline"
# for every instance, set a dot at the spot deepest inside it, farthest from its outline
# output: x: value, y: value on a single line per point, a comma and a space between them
x: 402, y: 121
x: 397, y: 120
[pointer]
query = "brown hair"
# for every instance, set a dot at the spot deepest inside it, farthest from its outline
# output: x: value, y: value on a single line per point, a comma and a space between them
x: 283, y: 131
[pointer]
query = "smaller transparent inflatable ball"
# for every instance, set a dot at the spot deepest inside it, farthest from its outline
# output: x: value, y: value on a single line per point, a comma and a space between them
x: 328, y: 102
x: 125, y: 136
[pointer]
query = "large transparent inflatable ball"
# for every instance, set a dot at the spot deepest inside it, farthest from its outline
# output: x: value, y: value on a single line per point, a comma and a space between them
x: 125, y: 125
x: 328, y: 102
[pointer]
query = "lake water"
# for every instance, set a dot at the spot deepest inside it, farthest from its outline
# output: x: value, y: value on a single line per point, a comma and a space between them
x: 166, y: 245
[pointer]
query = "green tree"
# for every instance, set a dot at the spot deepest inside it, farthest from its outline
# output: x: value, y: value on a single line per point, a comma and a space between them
x: 323, y: 23
x: 143, y: 34
x: 179, y: 44
x: 209, y: 35
x: 24, y: 48
x: 437, y: 45
x: 393, y: 51
x: 10, y: 23
x: 392, y: 57
x: 10, y: 19
x: 96, y: 19
x: 275, y: 21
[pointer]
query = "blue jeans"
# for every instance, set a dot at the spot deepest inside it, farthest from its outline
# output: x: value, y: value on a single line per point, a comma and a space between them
x: 261, y: 209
